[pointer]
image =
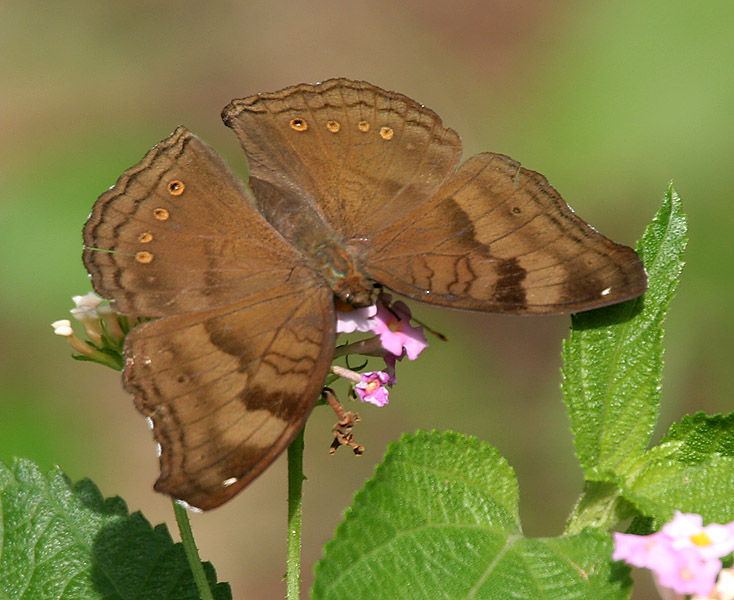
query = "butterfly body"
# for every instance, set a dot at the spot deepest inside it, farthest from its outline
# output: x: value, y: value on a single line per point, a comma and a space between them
x: 301, y: 223
x: 351, y: 187
x: 341, y: 272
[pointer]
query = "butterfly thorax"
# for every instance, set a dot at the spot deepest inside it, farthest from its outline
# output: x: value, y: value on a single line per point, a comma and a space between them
x: 325, y: 250
x: 342, y: 274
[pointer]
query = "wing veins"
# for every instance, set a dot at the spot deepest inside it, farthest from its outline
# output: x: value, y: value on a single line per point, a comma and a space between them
x: 234, y: 449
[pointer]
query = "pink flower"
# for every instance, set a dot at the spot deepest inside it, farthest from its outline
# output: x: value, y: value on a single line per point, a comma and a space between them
x: 357, y: 319
x: 396, y: 333
x: 687, y: 573
x: 647, y: 551
x: 372, y: 388
x: 712, y: 541
x: 683, y: 555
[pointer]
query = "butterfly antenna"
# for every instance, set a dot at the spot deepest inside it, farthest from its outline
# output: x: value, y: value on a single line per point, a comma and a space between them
x: 104, y: 250
x: 430, y: 330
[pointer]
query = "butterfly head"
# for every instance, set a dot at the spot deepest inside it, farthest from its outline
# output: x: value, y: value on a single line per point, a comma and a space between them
x: 355, y: 291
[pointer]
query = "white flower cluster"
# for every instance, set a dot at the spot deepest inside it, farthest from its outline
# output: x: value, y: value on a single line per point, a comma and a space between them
x: 105, y: 330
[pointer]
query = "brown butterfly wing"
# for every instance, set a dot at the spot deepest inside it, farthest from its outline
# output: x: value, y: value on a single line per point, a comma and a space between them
x: 178, y: 232
x: 362, y: 156
x: 497, y: 237
x: 228, y: 389
x: 231, y: 371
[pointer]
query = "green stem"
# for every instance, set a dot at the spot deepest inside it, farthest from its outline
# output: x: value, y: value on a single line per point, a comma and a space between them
x: 599, y: 506
x: 192, y: 554
x: 295, y: 517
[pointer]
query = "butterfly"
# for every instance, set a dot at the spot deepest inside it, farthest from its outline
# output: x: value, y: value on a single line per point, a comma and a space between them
x: 352, y: 188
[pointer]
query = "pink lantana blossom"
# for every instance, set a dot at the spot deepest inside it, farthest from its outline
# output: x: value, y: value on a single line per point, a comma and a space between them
x: 683, y: 571
x: 372, y: 388
x: 358, y: 319
x: 686, y: 530
x: 683, y: 555
x: 688, y: 574
x: 396, y: 333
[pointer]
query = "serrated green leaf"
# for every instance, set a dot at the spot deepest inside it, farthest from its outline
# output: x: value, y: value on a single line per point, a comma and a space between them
x: 612, y: 361
x: 703, y: 435
x: 691, y: 470
x: 62, y: 541
x: 439, y: 520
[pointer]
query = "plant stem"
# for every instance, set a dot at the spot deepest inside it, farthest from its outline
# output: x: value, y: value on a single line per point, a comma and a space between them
x: 600, y: 506
x: 295, y: 517
x: 192, y: 554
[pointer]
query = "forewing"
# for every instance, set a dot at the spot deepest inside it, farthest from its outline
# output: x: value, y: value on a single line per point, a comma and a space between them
x: 361, y: 156
x: 497, y: 237
x: 179, y: 232
x: 228, y: 389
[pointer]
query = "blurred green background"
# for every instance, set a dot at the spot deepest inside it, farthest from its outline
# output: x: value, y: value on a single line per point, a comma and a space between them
x: 610, y: 101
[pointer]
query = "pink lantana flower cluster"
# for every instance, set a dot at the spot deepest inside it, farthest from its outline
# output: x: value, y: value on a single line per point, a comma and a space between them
x: 372, y: 388
x: 391, y: 323
x: 684, y: 555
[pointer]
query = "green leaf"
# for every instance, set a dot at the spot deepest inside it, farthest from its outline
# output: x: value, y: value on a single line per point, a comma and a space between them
x: 691, y: 470
x: 612, y: 361
x: 65, y: 541
x: 440, y: 520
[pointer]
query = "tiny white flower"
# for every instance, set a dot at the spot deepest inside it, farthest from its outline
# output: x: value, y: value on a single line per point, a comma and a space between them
x: 63, y: 328
x: 90, y: 300
x: 84, y: 313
